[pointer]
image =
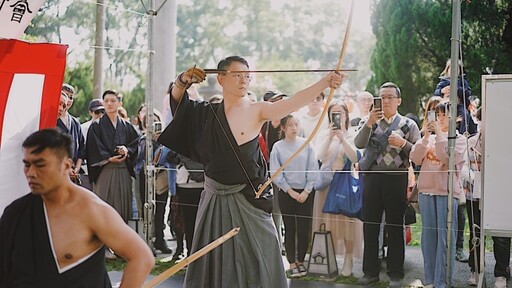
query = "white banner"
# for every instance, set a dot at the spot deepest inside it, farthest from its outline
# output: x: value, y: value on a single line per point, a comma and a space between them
x: 15, y: 15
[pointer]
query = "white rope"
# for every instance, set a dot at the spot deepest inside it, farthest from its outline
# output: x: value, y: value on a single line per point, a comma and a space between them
x: 117, y: 8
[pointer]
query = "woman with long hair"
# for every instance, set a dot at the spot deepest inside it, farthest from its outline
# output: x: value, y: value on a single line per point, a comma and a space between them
x: 336, y: 147
x: 431, y: 152
x: 296, y: 192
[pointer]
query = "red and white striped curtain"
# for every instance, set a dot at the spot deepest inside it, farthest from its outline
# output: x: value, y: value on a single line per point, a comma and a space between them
x: 31, y: 78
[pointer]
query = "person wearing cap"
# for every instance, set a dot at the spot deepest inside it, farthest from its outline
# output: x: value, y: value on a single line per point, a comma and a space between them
x: 216, y: 135
x: 96, y: 110
x: 273, y: 96
x: 70, y: 125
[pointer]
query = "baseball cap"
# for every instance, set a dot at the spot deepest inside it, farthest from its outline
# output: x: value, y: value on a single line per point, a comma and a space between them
x: 68, y: 88
x: 96, y: 104
x: 273, y: 95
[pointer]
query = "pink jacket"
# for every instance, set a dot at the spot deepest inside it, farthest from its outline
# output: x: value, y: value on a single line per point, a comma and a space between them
x: 432, y: 155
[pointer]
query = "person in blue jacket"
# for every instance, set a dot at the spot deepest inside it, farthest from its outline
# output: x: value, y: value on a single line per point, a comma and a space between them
x: 465, y: 122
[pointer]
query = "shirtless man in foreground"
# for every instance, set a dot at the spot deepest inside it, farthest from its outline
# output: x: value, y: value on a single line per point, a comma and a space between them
x: 55, y: 235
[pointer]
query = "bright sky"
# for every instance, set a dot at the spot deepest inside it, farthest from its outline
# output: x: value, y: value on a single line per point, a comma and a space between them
x: 361, y: 19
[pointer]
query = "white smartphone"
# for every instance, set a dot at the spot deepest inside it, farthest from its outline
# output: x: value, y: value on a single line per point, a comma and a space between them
x: 431, y: 116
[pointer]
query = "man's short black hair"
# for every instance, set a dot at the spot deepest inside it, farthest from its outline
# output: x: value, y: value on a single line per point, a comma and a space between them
x: 50, y: 138
x: 118, y: 95
x: 392, y: 85
x: 225, y: 63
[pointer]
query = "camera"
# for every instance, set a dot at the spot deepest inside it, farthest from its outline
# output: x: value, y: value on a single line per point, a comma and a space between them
x: 117, y: 151
x: 377, y: 103
x: 336, y: 120
x: 157, y: 127
x: 431, y: 116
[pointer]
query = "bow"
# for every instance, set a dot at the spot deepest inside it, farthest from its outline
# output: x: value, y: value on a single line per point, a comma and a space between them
x: 322, y: 116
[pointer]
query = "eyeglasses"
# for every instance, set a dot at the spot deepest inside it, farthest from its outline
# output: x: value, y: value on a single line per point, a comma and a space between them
x: 239, y: 76
x: 98, y: 112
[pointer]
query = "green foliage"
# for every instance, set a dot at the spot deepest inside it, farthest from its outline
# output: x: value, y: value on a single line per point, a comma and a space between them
x: 297, y: 34
x: 413, y: 43
x: 80, y: 77
x: 133, y: 99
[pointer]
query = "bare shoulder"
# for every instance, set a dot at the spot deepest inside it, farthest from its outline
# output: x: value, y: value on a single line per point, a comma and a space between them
x: 259, y: 107
x: 90, y: 205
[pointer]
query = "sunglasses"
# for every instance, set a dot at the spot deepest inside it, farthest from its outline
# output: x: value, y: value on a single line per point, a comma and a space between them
x: 101, y: 111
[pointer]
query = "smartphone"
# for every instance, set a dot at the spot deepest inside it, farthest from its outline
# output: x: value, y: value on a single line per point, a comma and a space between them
x: 157, y: 127
x: 431, y: 116
x: 377, y: 103
x: 336, y: 120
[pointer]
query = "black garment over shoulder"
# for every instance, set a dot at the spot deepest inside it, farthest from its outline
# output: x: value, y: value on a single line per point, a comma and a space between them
x: 26, y: 257
x: 195, y: 133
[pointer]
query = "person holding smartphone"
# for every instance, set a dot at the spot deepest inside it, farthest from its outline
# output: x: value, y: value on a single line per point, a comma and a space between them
x: 430, y: 153
x: 390, y: 166
x: 429, y: 114
x: 336, y: 147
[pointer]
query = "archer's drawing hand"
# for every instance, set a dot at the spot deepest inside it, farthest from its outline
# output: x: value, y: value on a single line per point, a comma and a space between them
x: 193, y: 75
x: 335, y: 79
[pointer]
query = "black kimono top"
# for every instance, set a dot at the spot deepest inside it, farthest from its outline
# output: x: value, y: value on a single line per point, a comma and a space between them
x: 26, y: 257
x: 196, y: 133
x: 102, y: 139
x: 75, y: 131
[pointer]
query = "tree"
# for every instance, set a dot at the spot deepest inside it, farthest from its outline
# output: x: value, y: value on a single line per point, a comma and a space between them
x: 80, y: 77
x: 413, y: 43
x: 298, y: 34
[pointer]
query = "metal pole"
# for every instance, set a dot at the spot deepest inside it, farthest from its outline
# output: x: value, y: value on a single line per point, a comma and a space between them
x: 98, y: 52
x: 452, y: 133
x: 149, y: 206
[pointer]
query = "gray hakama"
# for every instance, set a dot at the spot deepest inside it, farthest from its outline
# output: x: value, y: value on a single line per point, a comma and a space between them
x: 252, y: 258
x: 114, y: 186
x: 244, y: 260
